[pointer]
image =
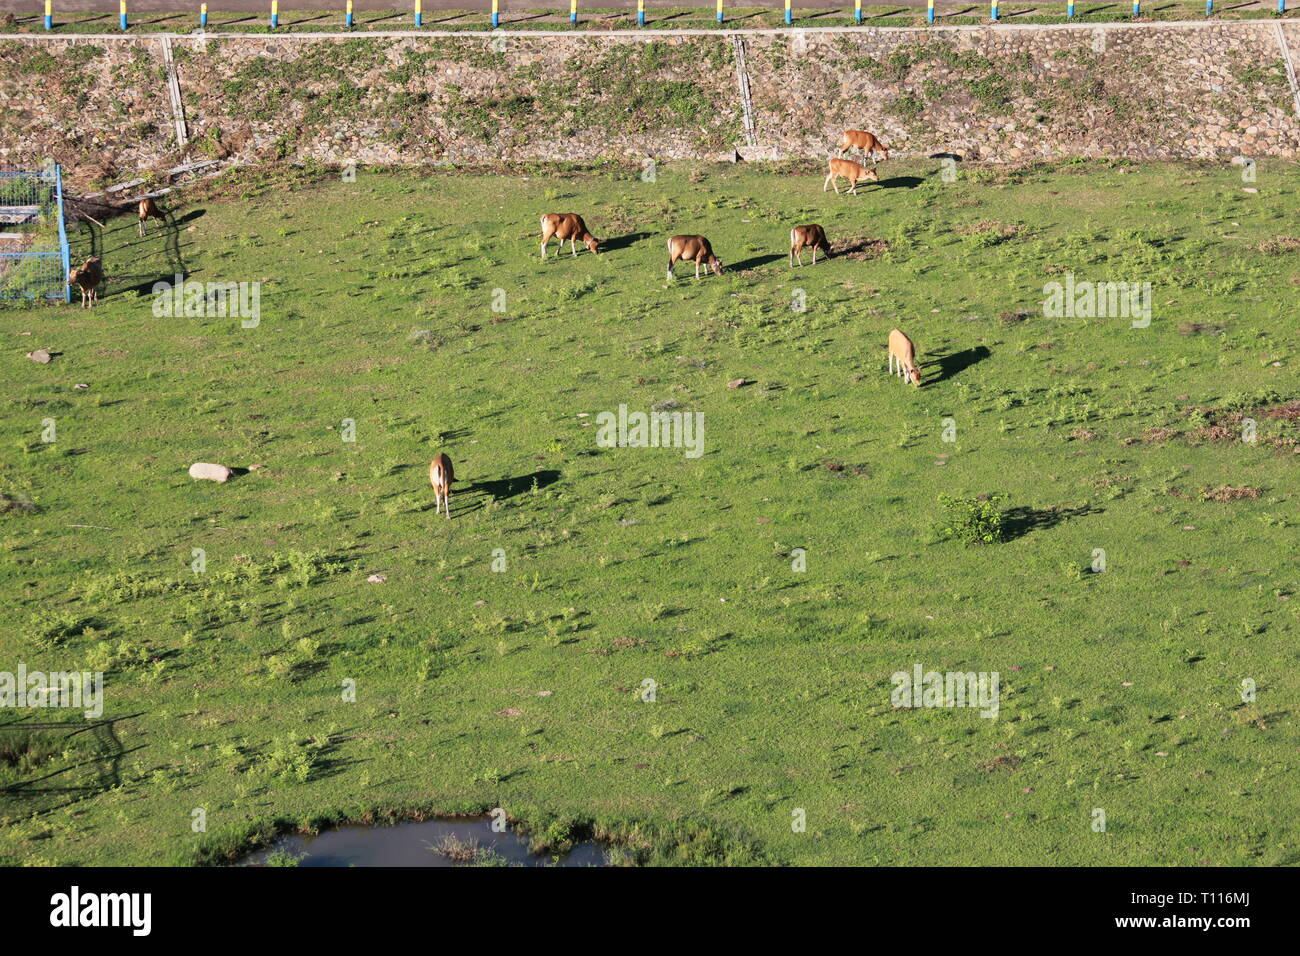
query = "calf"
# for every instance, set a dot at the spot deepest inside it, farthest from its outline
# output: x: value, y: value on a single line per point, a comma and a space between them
x: 567, y: 226
x: 902, y: 353
x: 853, y: 172
x: 692, y: 248
x: 803, y: 236
x: 148, y: 209
x: 87, y: 278
x: 864, y: 141
x: 441, y: 476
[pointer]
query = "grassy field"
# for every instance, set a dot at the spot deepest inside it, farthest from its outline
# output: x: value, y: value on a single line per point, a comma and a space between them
x: 522, y: 687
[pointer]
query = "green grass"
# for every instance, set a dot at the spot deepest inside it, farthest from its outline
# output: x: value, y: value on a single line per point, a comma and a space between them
x: 523, y: 688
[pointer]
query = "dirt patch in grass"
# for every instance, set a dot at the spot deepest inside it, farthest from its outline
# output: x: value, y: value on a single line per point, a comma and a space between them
x: 1290, y: 411
x: 1199, y: 328
x: 1229, y: 493
x: 860, y: 248
x: 1007, y: 762
x: 1278, y: 245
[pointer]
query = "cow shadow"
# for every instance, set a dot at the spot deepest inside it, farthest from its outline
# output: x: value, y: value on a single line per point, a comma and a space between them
x: 957, y: 362
x: 623, y: 242
x: 501, y: 489
x: 754, y: 262
x: 900, y: 182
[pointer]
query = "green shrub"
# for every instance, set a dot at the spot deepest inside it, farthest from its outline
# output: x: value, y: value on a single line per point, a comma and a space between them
x: 972, y: 520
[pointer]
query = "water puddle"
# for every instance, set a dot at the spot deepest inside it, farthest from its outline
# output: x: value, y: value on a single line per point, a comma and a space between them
x: 455, y: 841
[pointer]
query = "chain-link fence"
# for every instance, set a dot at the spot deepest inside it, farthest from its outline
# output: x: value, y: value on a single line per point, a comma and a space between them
x: 33, y: 240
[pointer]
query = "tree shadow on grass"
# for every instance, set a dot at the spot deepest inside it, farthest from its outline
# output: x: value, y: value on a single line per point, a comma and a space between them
x: 1018, y: 522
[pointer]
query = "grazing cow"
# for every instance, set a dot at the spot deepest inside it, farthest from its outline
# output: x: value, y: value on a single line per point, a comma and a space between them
x: 864, y: 141
x: 902, y: 353
x: 692, y: 248
x: 803, y: 236
x: 853, y: 172
x: 567, y: 226
x: 87, y: 278
x: 441, y: 476
x: 148, y: 209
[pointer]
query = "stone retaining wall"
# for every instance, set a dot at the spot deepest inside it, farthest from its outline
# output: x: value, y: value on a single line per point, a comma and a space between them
x: 1146, y: 91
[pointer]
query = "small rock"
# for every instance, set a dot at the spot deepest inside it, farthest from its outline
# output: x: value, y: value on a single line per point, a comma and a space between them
x: 479, y: 603
x: 545, y: 693
x: 203, y: 469
x: 256, y: 467
x: 377, y: 578
x: 41, y: 356
x: 80, y: 385
x: 1249, y: 189
x: 737, y: 382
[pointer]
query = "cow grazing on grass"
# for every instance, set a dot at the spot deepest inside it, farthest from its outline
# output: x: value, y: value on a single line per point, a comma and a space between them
x: 801, y: 237
x: 441, y: 476
x: 902, y: 355
x: 567, y: 226
x: 864, y: 141
x: 87, y: 278
x: 853, y: 172
x: 148, y: 209
x: 693, y: 249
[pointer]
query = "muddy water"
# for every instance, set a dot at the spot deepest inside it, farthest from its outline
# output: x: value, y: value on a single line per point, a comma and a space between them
x: 417, y: 844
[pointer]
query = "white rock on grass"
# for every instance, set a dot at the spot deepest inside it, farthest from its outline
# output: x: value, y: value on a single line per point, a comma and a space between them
x: 203, y: 469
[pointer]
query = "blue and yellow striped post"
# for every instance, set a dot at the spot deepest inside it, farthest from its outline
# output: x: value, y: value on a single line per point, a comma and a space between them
x: 640, y: 13
x: 1209, y: 8
x: 857, y: 11
x: 121, y: 14
x: 1281, y: 6
x: 275, y: 13
x: 929, y: 12
x: 720, y: 11
x: 49, y: 16
x: 1137, y: 8
x: 348, y: 22
x: 993, y: 9
x: 573, y: 12
x: 496, y: 14
x: 203, y: 16
x: 789, y: 14
x: 1069, y: 8
x: 419, y: 14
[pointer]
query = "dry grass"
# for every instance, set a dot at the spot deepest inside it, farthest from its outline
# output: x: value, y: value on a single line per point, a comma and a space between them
x: 1278, y: 245
x: 1229, y: 493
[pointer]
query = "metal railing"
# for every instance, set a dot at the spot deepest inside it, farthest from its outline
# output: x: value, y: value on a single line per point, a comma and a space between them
x: 34, y: 255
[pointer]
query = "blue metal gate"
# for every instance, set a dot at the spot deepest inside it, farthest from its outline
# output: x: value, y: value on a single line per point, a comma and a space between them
x: 33, y: 236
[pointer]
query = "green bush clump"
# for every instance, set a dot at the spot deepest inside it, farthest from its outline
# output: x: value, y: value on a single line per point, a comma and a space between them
x: 973, y: 520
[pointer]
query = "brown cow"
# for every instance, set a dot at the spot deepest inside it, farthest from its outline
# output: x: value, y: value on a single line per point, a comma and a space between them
x: 567, y: 226
x: 853, y: 172
x: 692, y: 248
x: 148, y: 209
x: 441, y: 476
x: 803, y: 236
x: 902, y: 353
x: 87, y: 278
x: 864, y: 141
